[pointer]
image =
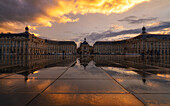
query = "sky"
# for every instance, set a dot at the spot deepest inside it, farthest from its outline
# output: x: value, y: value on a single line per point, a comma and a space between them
x: 97, y: 20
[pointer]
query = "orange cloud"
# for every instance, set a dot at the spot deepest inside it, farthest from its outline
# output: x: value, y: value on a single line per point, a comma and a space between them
x: 153, y: 24
x: 60, y: 11
x: 10, y: 26
x: 63, y: 7
x: 65, y: 19
x: 13, y: 27
x: 105, y: 6
x: 163, y: 31
x: 60, y: 8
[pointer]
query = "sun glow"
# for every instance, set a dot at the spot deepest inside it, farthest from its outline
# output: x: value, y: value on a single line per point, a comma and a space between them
x: 61, y: 8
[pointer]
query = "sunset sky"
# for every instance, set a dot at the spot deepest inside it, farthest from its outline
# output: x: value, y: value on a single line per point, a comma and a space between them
x: 94, y: 19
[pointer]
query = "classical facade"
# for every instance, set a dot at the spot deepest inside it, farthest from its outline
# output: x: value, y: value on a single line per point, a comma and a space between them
x: 61, y: 47
x: 85, y: 48
x: 108, y: 47
x: 27, y: 43
x: 144, y: 44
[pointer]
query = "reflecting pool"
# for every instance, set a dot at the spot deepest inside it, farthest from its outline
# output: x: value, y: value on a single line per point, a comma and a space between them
x: 84, y: 80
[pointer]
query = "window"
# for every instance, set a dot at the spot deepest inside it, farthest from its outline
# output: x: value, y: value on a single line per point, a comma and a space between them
x: 162, y: 51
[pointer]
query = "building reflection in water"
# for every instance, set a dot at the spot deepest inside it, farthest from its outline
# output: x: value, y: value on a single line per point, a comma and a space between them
x: 29, y: 64
x: 143, y: 66
x: 85, y: 60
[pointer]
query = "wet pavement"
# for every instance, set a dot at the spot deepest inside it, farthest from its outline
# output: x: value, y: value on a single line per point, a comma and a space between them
x: 85, y: 80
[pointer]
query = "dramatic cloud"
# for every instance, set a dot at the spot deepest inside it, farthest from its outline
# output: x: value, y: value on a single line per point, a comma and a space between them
x: 45, y: 12
x: 120, y: 37
x: 153, y: 24
x: 163, y: 28
x: 163, y: 31
x: 136, y: 20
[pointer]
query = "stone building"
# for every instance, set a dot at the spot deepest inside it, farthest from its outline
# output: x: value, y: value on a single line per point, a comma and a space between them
x: 149, y: 44
x: 61, y: 47
x: 85, y: 48
x: 27, y: 43
x: 108, y: 47
x: 145, y: 44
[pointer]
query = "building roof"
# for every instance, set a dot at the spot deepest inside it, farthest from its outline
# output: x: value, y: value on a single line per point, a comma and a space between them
x: 141, y: 36
x: 108, y: 42
x: 11, y: 35
x: 84, y: 42
x: 60, y: 42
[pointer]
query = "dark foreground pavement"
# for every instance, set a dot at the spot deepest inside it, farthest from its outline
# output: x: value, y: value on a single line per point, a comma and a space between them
x: 84, y: 85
